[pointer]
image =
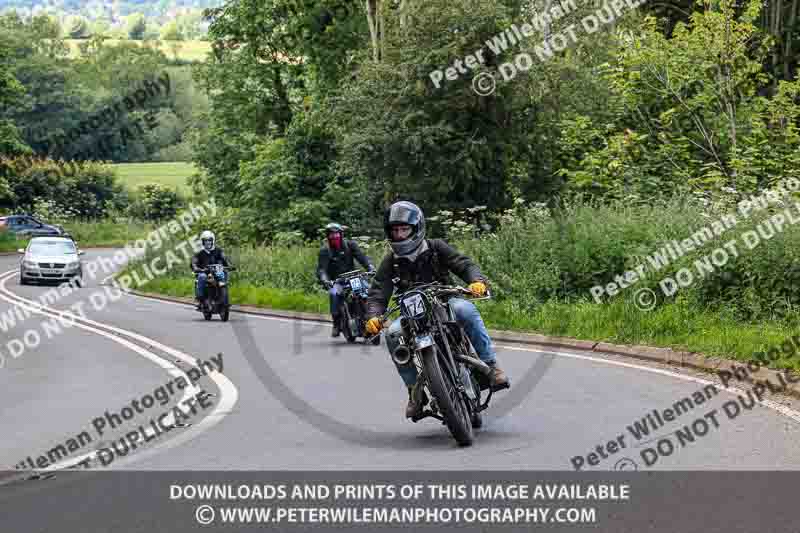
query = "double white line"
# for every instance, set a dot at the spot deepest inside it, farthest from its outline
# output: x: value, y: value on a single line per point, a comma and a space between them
x: 228, y: 391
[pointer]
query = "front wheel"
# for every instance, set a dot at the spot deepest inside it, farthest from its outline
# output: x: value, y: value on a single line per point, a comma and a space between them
x: 451, y: 403
x: 344, y: 326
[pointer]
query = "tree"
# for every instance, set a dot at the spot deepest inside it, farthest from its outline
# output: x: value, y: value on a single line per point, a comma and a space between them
x: 171, y: 32
x: 135, y: 26
x: 76, y: 27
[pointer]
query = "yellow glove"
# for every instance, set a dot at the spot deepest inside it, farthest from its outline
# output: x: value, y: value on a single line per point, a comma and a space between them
x: 478, y: 288
x: 374, y: 326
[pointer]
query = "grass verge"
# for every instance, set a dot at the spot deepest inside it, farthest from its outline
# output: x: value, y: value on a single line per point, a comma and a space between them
x: 9, y: 244
x: 107, y: 233
x: 675, y: 326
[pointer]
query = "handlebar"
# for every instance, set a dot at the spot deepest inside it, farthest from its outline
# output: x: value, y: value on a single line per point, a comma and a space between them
x: 354, y: 274
x: 209, y: 268
x: 438, y: 289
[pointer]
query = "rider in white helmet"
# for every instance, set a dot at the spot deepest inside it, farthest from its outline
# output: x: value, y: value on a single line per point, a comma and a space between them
x: 209, y: 255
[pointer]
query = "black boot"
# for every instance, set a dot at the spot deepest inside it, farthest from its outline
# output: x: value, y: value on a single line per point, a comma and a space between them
x: 335, y: 330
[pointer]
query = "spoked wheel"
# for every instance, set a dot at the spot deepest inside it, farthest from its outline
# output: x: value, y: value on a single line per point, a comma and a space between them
x: 452, y: 405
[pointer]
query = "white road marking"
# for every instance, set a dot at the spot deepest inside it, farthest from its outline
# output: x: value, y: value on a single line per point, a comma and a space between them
x: 786, y: 411
x: 229, y: 394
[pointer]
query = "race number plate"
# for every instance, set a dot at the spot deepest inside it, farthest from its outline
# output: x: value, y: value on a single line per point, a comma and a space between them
x: 355, y: 284
x: 414, y: 305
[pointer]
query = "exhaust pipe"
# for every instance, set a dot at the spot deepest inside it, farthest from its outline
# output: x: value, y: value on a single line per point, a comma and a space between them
x: 401, y: 355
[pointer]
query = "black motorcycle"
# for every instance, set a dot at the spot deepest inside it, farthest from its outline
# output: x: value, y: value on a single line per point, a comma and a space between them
x: 352, y: 315
x: 216, y: 300
x: 447, y: 364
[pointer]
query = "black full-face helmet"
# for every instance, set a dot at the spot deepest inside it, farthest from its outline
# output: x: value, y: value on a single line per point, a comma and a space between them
x: 405, y: 213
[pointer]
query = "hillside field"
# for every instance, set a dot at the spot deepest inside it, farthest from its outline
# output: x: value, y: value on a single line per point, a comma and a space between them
x: 172, y: 175
x: 186, y: 50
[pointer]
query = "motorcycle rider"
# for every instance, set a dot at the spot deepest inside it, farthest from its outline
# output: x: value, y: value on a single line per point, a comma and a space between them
x: 335, y: 258
x: 209, y: 255
x: 416, y: 259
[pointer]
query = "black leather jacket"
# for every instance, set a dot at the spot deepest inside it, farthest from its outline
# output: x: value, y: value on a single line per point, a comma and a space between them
x: 202, y: 259
x: 434, y: 264
x: 332, y: 263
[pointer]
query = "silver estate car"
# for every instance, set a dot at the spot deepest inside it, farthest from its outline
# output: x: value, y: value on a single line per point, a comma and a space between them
x: 50, y: 259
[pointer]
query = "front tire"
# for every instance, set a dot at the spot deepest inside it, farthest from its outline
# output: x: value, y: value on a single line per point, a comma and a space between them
x: 452, y: 405
x: 344, y: 326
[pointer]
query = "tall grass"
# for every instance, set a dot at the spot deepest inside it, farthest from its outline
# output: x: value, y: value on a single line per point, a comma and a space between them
x: 542, y: 266
x: 9, y: 243
x: 107, y: 232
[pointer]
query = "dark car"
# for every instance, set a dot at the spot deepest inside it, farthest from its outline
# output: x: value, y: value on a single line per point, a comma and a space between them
x: 28, y: 226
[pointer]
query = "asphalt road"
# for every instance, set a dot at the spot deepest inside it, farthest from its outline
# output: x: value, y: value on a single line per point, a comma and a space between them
x: 291, y: 398
x: 282, y: 398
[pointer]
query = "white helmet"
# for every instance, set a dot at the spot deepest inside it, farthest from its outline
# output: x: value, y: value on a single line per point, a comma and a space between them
x: 207, y: 238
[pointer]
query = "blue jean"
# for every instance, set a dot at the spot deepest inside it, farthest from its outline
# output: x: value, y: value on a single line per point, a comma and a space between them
x: 336, y: 297
x: 202, y: 279
x: 468, y: 317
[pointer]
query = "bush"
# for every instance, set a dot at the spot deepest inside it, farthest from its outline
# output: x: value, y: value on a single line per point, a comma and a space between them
x: 85, y: 189
x: 155, y: 202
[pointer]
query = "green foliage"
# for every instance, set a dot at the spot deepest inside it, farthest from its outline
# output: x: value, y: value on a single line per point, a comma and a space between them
x: 88, y: 189
x: 135, y: 26
x: 171, y: 32
x: 442, y: 147
x: 693, y: 115
x: 155, y: 202
x: 291, y: 184
x: 76, y: 27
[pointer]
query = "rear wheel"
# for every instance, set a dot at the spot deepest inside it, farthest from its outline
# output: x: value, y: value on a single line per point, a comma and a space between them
x: 451, y: 403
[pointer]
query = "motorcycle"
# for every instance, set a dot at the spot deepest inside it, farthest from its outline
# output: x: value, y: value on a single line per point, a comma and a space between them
x: 216, y: 300
x: 354, y: 309
x: 446, y: 362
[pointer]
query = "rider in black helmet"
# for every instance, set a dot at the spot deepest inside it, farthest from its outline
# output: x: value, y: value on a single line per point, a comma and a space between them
x: 335, y: 258
x: 417, y: 259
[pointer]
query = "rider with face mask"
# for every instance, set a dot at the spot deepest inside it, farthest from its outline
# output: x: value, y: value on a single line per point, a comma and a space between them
x: 414, y: 260
x: 209, y: 255
x: 335, y: 258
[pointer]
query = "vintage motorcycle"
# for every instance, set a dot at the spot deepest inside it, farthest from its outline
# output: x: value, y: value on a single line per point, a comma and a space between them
x: 216, y: 300
x: 354, y: 309
x: 446, y: 362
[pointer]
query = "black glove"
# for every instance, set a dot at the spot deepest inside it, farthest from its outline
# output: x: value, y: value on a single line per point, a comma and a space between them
x: 328, y: 284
